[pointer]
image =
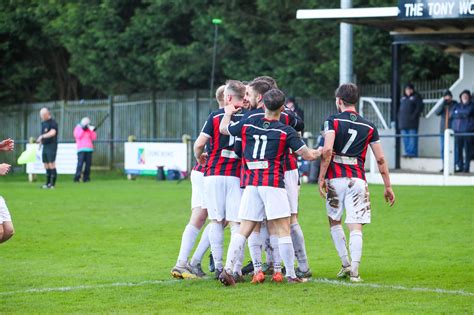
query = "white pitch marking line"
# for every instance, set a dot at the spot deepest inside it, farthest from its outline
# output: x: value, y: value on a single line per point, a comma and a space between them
x: 158, y: 282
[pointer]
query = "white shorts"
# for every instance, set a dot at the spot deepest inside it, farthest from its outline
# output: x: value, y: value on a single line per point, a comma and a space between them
x: 222, y: 197
x: 197, y: 187
x: 4, y: 213
x: 292, y: 188
x: 351, y: 194
x: 260, y: 202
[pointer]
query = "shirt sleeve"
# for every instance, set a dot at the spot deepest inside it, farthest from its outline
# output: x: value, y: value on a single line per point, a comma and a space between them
x: 295, y: 121
x: 375, y: 136
x: 329, y: 125
x: 208, y: 129
x: 54, y: 125
x: 294, y: 142
x: 235, y: 128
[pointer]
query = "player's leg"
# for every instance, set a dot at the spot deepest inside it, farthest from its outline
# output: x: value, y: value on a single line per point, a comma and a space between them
x: 275, y: 265
x: 236, y: 247
x: 6, y: 225
x: 201, y: 249
x: 233, y: 198
x: 255, y: 245
x: 215, y: 192
x: 191, y: 231
x: 265, y: 236
x: 292, y: 188
x: 334, y: 207
x: 54, y: 174
x: 358, y: 213
x: 45, y: 158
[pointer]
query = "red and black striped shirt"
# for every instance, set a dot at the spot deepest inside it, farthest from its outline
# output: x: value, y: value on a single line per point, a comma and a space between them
x: 264, y: 145
x: 223, y: 160
x: 199, y: 168
x: 353, y: 136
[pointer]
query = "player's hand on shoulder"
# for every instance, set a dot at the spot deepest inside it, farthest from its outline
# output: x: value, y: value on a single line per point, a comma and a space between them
x: 4, y: 169
x: 322, y: 187
x: 389, y: 196
x: 7, y: 145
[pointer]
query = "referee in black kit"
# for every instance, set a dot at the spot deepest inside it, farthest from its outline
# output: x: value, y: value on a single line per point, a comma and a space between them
x: 49, y: 140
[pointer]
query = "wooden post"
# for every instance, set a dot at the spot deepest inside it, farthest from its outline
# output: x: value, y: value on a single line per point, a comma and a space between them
x: 31, y: 177
x: 153, y: 115
x: 187, y: 140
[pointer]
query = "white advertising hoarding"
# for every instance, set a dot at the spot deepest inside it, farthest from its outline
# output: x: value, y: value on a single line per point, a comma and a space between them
x: 66, y: 160
x: 144, y: 158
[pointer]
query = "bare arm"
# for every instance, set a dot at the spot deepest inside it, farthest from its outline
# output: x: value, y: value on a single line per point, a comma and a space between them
x: 47, y: 135
x: 329, y: 138
x: 7, y: 145
x: 383, y: 168
x: 308, y: 154
x: 199, y: 145
x: 225, y: 122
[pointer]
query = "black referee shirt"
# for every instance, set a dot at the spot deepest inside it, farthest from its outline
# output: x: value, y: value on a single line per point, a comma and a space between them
x: 47, y: 126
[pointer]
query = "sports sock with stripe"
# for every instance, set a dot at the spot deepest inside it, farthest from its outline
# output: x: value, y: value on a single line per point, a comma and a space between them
x: 255, y: 249
x: 275, y: 244
x: 287, y: 252
x: 339, y: 239
x: 202, y: 247
x: 355, y: 247
x: 300, y: 249
x: 188, y: 239
x: 216, y: 239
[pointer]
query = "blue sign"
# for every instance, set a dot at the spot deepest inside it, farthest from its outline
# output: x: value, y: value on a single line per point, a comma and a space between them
x: 435, y: 9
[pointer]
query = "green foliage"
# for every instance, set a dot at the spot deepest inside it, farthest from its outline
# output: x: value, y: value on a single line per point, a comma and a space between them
x: 78, y: 49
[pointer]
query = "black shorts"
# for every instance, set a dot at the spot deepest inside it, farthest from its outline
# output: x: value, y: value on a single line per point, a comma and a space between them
x: 49, y: 153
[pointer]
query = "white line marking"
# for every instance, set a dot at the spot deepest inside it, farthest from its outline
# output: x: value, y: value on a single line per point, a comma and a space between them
x: 165, y: 282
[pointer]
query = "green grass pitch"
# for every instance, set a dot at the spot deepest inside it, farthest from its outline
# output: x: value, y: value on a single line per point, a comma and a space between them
x: 111, y: 244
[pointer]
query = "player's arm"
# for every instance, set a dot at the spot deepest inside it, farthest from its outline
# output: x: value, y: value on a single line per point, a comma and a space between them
x: 225, y: 122
x: 329, y: 138
x: 7, y: 145
x: 199, y: 146
x: 383, y: 169
x: 4, y: 169
x: 308, y: 154
x: 299, y: 147
x: 296, y: 122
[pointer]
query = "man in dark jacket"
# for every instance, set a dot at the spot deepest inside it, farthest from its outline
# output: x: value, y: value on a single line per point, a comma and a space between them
x: 463, y: 122
x: 411, y: 107
x: 293, y: 106
x: 445, y: 122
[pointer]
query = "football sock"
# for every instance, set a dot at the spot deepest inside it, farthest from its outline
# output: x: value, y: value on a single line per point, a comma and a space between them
x: 216, y: 239
x: 236, y: 246
x: 234, y: 229
x: 265, y: 239
x: 339, y: 239
x: 48, y: 176
x: 255, y: 249
x: 355, y: 247
x: 54, y: 175
x: 274, y: 244
x: 287, y: 252
x: 300, y: 249
x: 187, y: 243
x: 202, y: 247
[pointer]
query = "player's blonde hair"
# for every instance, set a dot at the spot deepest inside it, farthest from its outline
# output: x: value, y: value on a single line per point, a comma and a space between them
x: 235, y: 88
x: 220, y: 94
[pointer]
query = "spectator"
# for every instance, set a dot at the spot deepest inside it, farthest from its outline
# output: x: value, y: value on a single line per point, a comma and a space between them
x: 411, y: 107
x: 463, y: 121
x: 84, y: 134
x: 446, y: 119
x: 293, y: 106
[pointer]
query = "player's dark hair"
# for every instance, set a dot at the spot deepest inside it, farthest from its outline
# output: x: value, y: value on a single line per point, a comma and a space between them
x: 267, y: 79
x: 235, y: 88
x: 348, y: 93
x: 274, y: 99
x: 260, y: 86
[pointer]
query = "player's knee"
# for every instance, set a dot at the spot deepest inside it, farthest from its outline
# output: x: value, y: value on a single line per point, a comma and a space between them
x: 333, y: 222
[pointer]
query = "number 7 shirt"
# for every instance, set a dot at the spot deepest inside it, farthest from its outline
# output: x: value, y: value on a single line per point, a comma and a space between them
x: 223, y: 160
x: 353, y: 136
x: 264, y: 145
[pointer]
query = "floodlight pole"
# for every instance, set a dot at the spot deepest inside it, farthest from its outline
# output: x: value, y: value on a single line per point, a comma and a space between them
x: 216, y: 23
x: 345, y: 48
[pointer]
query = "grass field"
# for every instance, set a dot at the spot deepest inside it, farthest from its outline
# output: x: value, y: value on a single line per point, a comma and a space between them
x: 108, y: 246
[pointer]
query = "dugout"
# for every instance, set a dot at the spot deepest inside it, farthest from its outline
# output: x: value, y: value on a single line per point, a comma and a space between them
x: 445, y: 24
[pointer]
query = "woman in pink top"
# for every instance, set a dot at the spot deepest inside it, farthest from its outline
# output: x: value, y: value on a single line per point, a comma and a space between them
x: 84, y: 134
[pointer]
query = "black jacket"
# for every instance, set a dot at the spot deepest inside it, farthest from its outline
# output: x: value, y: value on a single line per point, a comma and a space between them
x: 441, y: 111
x: 410, y: 111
